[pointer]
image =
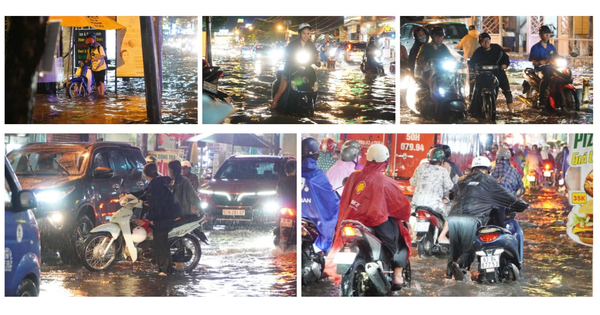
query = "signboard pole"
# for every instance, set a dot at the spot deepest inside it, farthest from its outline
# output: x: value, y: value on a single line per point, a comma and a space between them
x: 116, y: 56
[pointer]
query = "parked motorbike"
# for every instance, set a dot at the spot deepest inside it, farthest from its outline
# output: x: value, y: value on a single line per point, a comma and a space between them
x: 365, y: 263
x: 561, y: 93
x: 486, y: 90
x: 312, y: 263
x: 82, y: 83
x: 216, y: 103
x: 300, y: 95
x: 331, y: 58
x: 428, y: 227
x: 132, y: 239
x: 442, y: 97
x: 376, y: 68
x: 499, y: 249
x: 285, y: 232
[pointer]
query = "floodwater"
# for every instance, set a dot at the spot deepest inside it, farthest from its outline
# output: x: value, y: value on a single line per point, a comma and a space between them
x: 236, y: 263
x: 179, y: 97
x: 554, y: 265
x: 345, y: 96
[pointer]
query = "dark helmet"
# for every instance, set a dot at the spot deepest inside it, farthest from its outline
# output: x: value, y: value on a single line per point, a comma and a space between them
x: 310, y: 147
x: 503, y: 154
x: 353, y: 143
x: 438, y: 31
x: 151, y: 170
x: 417, y: 30
x: 435, y: 155
x: 484, y: 35
x: 350, y: 153
x: 445, y: 148
x: 545, y: 29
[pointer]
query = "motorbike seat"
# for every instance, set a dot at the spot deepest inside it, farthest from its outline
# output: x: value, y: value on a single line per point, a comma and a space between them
x: 186, y: 219
x: 502, y: 229
x: 431, y: 211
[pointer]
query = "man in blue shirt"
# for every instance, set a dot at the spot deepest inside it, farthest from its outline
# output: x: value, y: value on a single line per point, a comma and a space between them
x: 540, y: 55
x: 507, y: 176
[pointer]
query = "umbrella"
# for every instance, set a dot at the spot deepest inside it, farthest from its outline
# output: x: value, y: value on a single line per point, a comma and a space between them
x: 97, y: 22
x: 236, y: 139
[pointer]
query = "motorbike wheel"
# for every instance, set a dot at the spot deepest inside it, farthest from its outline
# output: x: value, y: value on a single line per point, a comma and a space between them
x: 27, y: 288
x: 407, y: 274
x: 570, y: 100
x: 353, y: 281
x: 76, y: 89
x: 513, y: 273
x: 185, y: 244
x: 94, y: 245
x: 489, y: 105
x: 71, y: 252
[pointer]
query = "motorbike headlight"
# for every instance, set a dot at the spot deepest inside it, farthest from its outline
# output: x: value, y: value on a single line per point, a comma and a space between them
x: 258, y: 54
x: 442, y: 91
x: 449, y: 65
x: 271, y: 207
x: 52, y: 196
x: 56, y: 219
x: 302, y: 57
x: 561, y: 62
x: 377, y: 53
x: 332, y: 53
x: 204, y: 205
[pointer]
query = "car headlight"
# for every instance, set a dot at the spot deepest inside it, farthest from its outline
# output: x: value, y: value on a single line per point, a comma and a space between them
x: 204, y: 205
x: 449, y: 65
x: 271, y: 206
x: 56, y: 219
x: 561, y: 62
x: 206, y: 192
x: 266, y: 193
x: 302, y: 57
x: 442, y: 91
x: 53, y: 195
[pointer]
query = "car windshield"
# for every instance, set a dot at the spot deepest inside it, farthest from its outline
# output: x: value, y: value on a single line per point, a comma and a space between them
x: 453, y: 30
x: 48, y: 161
x: 250, y: 169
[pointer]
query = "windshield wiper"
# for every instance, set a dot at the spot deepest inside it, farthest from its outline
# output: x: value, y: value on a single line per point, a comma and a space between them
x: 61, y: 166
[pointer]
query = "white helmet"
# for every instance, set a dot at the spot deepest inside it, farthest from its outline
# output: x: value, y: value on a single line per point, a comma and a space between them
x: 303, y: 26
x: 378, y: 153
x: 186, y: 164
x: 481, y: 161
x: 138, y: 234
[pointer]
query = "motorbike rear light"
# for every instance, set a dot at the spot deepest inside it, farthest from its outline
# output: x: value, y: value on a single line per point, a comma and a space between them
x: 349, y: 231
x: 423, y: 215
x: 486, y: 238
x: 547, y: 167
x: 348, y: 47
x: 288, y: 211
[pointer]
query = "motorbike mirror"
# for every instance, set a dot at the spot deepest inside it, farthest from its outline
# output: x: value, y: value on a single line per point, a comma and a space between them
x: 102, y: 173
x: 344, y: 181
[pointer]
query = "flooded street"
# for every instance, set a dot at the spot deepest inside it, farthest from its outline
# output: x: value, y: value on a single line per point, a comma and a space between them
x: 179, y: 97
x: 346, y: 95
x: 237, y: 263
x: 554, y: 265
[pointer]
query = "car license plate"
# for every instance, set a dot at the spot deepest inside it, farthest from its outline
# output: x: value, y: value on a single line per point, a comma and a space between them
x: 359, y: 53
x: 531, y: 178
x: 547, y: 173
x: 234, y: 212
x: 344, y: 258
x: 422, y: 226
x: 209, y: 87
x: 490, y: 261
x: 286, y: 223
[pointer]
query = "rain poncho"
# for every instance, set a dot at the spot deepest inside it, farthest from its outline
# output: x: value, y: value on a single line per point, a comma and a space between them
x: 534, y: 162
x: 371, y: 198
x: 479, y: 193
x: 320, y: 203
x: 469, y: 43
x: 338, y: 172
x: 432, y: 184
x: 326, y: 161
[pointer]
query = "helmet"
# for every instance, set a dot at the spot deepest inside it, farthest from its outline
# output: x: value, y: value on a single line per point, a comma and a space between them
x: 435, y: 155
x: 90, y: 38
x: 445, y: 148
x: 503, y: 154
x: 327, y: 145
x: 310, y: 147
x: 353, y: 143
x: 378, y: 153
x: 138, y: 234
x: 349, y: 153
x: 481, y: 161
x: 484, y: 35
x: 303, y: 26
x: 545, y: 29
x: 151, y: 159
x: 186, y: 164
x: 438, y: 31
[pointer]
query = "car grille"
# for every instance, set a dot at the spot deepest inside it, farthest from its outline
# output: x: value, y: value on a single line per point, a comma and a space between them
x: 223, y: 201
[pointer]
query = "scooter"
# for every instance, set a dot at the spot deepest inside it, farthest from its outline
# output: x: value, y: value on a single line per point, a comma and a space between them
x: 133, y: 239
x: 331, y: 58
x: 442, y: 98
x: 499, y: 249
x: 82, y: 83
x: 377, y: 68
x: 486, y: 90
x: 216, y: 103
x: 312, y: 263
x: 364, y: 263
x: 562, y: 92
x: 300, y: 95
x: 548, y: 175
x: 428, y: 226
x: 533, y: 180
x: 285, y: 233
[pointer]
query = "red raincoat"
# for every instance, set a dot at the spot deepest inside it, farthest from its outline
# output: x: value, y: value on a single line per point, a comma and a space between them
x: 370, y: 197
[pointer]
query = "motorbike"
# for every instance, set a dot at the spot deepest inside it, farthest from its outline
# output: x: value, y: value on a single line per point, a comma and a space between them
x: 428, y: 226
x: 300, y: 95
x: 331, y: 58
x: 486, y: 90
x: 364, y: 263
x: 376, y: 68
x: 499, y: 249
x: 561, y: 93
x: 215, y: 102
x: 82, y: 82
x: 548, y: 175
x: 133, y: 239
x: 442, y: 98
x: 533, y: 180
x: 312, y: 263
x: 285, y: 233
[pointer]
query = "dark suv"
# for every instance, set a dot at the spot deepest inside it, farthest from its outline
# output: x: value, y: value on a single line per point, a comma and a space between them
x: 244, y: 190
x: 76, y: 186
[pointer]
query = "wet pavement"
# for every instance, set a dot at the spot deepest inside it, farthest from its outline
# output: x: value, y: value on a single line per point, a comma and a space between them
x: 346, y: 95
x: 237, y: 263
x: 179, y: 98
x: 554, y: 265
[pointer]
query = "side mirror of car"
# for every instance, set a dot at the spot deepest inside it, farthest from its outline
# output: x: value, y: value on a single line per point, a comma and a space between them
x: 102, y: 173
x: 27, y: 200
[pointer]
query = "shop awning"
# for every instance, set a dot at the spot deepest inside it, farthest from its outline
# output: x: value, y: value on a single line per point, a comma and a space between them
x: 237, y: 139
x: 97, y: 22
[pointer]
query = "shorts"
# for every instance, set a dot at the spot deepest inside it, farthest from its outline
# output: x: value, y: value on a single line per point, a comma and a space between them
x: 99, y: 76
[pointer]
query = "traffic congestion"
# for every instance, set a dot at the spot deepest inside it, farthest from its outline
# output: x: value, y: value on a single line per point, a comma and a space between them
x: 447, y: 214
x: 108, y: 215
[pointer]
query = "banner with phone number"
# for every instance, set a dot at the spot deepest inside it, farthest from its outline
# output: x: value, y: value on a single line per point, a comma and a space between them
x: 164, y: 157
x: 580, y: 183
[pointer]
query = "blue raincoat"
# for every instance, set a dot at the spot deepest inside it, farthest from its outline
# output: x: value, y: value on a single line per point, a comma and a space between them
x: 320, y: 203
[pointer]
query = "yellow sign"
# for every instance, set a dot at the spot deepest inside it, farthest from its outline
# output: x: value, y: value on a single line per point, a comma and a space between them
x: 578, y: 198
x: 130, y: 59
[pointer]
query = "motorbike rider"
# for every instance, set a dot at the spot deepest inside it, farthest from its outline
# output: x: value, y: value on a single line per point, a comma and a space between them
x: 470, y: 42
x: 320, y: 203
x: 323, y: 51
x: 506, y: 174
x: 186, y: 171
x: 377, y: 201
x: 343, y: 167
x: 301, y: 43
x: 183, y: 191
x: 540, y: 55
x: 455, y: 172
x: 286, y: 186
x: 561, y: 161
x: 491, y: 54
x: 96, y: 55
x: 161, y: 209
x: 371, y: 52
x: 478, y: 194
x: 533, y: 162
x: 326, y: 159
x: 432, y: 186
x: 436, y: 49
x: 421, y: 36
